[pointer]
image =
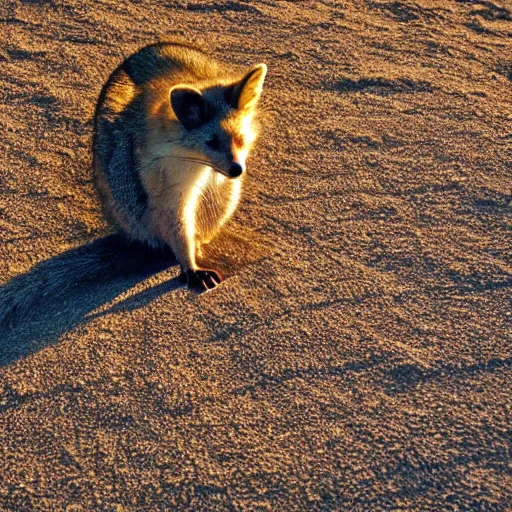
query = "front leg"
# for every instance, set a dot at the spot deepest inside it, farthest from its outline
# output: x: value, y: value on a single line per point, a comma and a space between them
x: 183, y: 244
x: 178, y: 229
x: 174, y: 198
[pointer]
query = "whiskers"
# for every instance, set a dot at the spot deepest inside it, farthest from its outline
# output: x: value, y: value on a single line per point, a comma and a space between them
x: 194, y: 160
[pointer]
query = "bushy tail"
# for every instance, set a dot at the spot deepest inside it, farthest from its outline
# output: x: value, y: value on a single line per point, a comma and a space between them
x: 106, y: 259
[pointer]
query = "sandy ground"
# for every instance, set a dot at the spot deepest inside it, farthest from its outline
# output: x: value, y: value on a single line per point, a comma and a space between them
x: 359, y: 358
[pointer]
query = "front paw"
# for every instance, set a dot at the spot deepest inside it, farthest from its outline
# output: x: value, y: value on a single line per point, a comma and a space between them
x: 202, y: 279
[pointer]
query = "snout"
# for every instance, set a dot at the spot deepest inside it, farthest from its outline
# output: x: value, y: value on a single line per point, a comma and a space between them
x: 235, y: 170
x: 236, y: 165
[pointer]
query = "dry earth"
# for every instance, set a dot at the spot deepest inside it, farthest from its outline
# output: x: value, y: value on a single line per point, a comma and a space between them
x: 360, y: 356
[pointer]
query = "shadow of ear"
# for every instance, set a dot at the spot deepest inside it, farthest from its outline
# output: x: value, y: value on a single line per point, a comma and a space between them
x: 37, y: 307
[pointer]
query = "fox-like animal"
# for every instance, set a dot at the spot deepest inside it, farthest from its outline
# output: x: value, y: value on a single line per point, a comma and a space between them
x: 172, y: 131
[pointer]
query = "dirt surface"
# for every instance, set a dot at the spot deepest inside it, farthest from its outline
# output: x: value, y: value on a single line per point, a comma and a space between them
x: 359, y: 358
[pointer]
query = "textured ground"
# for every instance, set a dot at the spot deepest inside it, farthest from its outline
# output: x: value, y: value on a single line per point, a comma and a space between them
x: 360, y: 358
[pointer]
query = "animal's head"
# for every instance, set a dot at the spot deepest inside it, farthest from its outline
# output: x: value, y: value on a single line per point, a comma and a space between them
x: 218, y: 121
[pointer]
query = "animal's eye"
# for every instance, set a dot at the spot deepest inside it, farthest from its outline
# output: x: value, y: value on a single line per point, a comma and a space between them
x: 214, y: 143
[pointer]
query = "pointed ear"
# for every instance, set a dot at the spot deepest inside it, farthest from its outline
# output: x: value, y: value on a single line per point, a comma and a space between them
x: 188, y: 105
x: 246, y: 93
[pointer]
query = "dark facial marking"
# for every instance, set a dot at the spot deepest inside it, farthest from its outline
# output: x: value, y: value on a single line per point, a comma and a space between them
x: 214, y: 143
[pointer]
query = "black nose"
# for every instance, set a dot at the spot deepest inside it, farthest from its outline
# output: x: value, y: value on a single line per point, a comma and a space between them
x: 235, y: 170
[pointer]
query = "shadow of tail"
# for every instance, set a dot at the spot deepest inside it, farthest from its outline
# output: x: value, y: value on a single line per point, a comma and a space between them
x: 56, y: 295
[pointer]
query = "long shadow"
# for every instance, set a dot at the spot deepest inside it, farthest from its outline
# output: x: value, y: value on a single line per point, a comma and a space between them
x: 404, y: 377
x: 37, y: 307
